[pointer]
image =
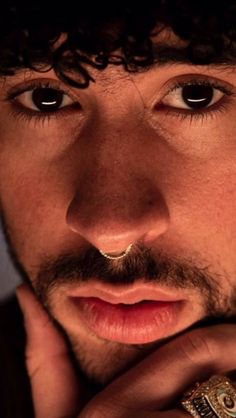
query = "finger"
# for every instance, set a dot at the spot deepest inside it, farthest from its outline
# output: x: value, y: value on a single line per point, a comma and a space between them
x: 173, y: 413
x: 56, y: 390
x: 159, y: 380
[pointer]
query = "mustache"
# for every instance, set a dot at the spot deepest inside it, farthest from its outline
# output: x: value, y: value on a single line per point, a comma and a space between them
x: 140, y: 264
x: 155, y: 267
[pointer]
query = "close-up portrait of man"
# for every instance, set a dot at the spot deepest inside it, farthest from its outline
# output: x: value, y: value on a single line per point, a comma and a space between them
x: 118, y: 205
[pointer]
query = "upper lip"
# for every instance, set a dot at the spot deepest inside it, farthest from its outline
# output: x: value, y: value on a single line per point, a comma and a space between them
x: 127, y: 295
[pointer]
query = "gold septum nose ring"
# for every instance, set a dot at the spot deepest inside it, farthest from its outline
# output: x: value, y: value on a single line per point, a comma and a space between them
x: 119, y: 256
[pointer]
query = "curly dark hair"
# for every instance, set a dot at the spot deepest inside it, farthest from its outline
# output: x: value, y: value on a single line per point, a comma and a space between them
x: 30, y: 31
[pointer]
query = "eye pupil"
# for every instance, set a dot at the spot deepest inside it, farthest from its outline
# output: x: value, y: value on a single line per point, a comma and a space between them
x: 47, y: 99
x: 197, y: 96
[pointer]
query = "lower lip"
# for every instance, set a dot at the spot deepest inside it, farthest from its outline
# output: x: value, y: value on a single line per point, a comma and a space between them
x: 139, y: 323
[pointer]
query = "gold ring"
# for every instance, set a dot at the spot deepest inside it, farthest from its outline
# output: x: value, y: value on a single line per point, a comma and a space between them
x: 215, y: 398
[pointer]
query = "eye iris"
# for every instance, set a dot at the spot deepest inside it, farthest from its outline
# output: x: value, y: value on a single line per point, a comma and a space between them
x: 197, y: 96
x: 47, y: 99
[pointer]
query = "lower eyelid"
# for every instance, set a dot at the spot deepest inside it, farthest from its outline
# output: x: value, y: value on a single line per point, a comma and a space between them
x: 19, y: 112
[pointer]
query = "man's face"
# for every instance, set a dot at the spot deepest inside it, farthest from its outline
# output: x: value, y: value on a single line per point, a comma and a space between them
x: 147, y: 159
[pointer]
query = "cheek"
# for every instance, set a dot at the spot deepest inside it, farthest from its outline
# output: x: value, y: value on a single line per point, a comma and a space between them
x: 34, y: 206
x: 35, y: 197
x: 203, y: 216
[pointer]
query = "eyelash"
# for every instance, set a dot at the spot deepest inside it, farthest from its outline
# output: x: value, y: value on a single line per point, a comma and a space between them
x: 219, y: 107
x: 22, y: 113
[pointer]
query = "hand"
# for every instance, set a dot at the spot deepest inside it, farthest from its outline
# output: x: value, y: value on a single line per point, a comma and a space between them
x: 56, y: 389
x: 149, y: 390
x: 157, y: 383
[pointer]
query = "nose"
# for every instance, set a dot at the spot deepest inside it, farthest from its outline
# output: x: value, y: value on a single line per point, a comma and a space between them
x: 113, y: 211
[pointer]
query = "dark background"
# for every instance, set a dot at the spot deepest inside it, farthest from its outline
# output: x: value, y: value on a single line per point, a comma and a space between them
x: 9, y: 279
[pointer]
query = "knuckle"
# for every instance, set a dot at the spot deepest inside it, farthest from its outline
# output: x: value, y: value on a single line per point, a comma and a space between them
x: 112, y: 405
x: 200, y: 346
x: 33, y: 366
x: 35, y: 361
x: 94, y: 412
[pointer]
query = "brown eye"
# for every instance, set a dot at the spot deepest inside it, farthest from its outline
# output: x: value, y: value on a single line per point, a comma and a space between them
x: 44, y: 99
x: 47, y: 99
x: 193, y: 96
x: 197, y: 96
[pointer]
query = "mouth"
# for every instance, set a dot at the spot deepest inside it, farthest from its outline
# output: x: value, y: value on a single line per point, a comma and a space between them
x: 137, y: 315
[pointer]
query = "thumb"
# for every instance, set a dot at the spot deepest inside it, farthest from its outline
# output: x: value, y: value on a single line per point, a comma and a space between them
x: 56, y: 389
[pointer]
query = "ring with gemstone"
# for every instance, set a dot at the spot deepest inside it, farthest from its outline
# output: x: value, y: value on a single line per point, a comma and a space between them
x: 215, y: 398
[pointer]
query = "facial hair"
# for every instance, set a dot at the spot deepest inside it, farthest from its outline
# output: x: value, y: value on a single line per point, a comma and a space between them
x: 142, y: 263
